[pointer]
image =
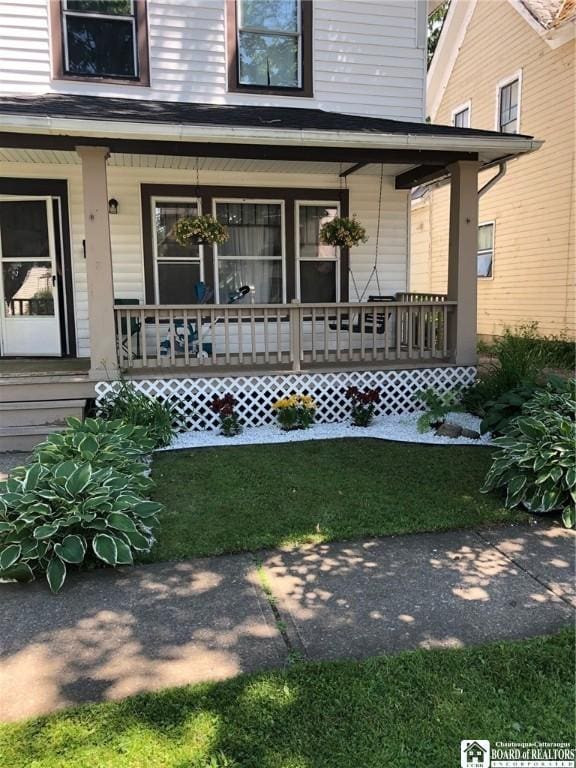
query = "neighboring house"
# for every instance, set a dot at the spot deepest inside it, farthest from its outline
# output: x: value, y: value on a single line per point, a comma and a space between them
x: 509, y: 65
x: 119, y: 117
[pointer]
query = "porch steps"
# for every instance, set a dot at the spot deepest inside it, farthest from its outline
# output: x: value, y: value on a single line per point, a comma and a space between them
x: 26, y: 423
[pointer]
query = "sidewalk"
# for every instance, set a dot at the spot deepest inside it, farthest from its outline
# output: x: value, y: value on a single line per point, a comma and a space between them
x: 111, y: 634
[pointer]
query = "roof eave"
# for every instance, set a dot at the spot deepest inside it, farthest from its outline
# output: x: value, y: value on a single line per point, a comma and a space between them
x: 488, y: 148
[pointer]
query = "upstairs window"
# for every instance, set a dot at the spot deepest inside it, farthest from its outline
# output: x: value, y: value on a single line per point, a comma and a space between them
x: 461, y: 117
x: 485, y: 249
x: 101, y: 39
x: 270, y: 46
x: 509, y: 106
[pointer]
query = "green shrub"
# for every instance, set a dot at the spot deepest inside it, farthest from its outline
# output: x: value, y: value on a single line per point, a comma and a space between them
x: 126, y: 403
x: 71, y: 514
x: 536, y: 464
x: 438, y: 404
x: 499, y: 413
x: 520, y: 356
x: 103, y: 443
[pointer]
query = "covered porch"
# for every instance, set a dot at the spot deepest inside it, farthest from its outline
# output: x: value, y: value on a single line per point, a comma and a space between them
x: 120, y: 168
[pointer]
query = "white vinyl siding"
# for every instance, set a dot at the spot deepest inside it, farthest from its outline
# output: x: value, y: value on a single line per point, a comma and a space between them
x: 366, y: 58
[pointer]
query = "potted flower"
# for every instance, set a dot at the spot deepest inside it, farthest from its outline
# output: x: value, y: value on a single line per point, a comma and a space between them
x: 295, y: 412
x: 362, y: 405
x: 200, y: 230
x: 229, y: 421
x: 343, y: 232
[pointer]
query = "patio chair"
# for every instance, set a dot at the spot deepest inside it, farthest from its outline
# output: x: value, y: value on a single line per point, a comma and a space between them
x: 135, y: 326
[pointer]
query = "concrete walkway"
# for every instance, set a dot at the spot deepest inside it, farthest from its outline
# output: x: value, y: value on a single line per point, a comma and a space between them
x: 111, y: 634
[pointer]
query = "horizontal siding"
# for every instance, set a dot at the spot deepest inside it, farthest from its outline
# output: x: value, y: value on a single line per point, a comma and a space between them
x: 124, y: 184
x: 365, y: 57
x: 533, y: 205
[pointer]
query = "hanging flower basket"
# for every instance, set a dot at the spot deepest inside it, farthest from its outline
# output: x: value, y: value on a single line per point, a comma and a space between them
x: 200, y: 230
x: 343, y: 232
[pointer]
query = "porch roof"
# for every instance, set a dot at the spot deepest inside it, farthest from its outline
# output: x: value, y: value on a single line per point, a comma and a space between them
x: 64, y: 121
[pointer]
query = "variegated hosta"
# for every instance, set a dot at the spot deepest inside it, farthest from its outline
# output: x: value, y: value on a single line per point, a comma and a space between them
x: 537, y: 463
x: 102, y: 443
x: 56, y: 516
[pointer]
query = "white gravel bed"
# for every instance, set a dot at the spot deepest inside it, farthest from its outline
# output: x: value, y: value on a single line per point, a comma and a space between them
x: 401, y: 428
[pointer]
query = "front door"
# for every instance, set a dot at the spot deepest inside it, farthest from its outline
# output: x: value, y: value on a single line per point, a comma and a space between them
x: 29, y: 308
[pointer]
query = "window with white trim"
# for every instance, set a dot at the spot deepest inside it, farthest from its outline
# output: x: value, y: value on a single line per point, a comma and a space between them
x: 461, y: 118
x: 318, y: 265
x: 269, y: 43
x: 485, y: 249
x: 253, y: 255
x: 100, y: 38
x: 508, y: 106
x: 177, y: 268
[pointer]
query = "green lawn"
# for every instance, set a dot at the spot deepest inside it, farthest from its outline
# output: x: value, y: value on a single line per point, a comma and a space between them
x: 401, y: 711
x: 242, y: 498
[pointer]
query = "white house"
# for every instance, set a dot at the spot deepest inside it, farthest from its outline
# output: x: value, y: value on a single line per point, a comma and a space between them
x: 120, y: 117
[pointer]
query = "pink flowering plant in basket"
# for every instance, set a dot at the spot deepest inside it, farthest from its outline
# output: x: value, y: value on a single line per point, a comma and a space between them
x: 343, y: 232
x: 225, y: 408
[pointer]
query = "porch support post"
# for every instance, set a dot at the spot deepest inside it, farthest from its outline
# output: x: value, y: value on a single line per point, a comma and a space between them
x: 462, y: 258
x: 103, y: 355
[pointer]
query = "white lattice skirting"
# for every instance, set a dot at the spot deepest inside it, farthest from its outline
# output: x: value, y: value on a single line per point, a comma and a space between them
x: 191, y: 397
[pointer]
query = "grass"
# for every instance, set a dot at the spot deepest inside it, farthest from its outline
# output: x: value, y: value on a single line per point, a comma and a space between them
x: 243, y: 498
x: 399, y: 711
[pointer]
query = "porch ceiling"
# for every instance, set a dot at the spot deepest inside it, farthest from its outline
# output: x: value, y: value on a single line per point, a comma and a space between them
x: 184, y: 163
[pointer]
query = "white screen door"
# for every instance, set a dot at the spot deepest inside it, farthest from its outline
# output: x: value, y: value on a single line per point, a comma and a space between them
x: 29, y: 315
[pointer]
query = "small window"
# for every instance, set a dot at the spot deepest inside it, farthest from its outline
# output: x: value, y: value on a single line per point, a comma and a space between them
x: 100, y: 39
x: 178, y: 268
x: 318, y: 265
x: 270, y: 46
x: 485, y: 249
x: 253, y: 255
x: 462, y: 118
x: 508, y: 107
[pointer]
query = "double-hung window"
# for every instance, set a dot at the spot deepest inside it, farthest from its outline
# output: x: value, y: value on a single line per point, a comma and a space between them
x: 269, y: 46
x: 485, y: 249
x: 318, y: 265
x: 253, y: 255
x: 103, y: 39
x: 461, y: 117
x: 177, y: 268
x: 509, y: 106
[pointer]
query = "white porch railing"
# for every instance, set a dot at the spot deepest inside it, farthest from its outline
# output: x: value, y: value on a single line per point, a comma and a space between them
x: 284, y: 336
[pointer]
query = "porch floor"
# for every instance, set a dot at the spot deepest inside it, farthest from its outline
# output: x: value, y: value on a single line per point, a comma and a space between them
x: 42, y: 366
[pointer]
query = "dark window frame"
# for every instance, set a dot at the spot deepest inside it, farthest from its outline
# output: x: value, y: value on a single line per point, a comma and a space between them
x: 306, y: 88
x: 502, y: 90
x: 142, y: 78
x: 55, y: 188
x: 207, y: 194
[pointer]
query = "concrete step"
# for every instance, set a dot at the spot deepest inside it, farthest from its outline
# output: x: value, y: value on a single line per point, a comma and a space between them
x: 25, y: 424
x: 25, y: 438
x: 39, y: 412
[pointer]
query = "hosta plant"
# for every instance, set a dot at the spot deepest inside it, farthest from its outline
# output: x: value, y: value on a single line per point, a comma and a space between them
x: 102, y: 443
x: 62, y: 516
x: 536, y: 464
x: 130, y: 405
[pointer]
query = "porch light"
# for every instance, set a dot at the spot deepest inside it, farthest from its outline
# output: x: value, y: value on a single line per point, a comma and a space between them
x: 112, y: 206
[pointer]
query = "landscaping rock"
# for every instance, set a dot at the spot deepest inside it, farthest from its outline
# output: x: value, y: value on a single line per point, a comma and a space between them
x: 449, y: 430
x: 470, y: 434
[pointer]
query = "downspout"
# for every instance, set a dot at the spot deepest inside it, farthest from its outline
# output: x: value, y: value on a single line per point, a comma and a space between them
x: 502, y: 168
